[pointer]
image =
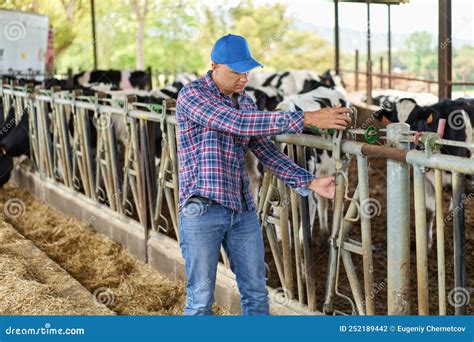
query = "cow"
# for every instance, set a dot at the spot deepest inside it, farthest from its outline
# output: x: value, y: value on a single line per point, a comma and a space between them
x: 294, y: 82
x: 120, y: 79
x: 387, y: 99
x: 459, y: 116
x: 266, y: 98
x: 319, y: 162
x: 14, y: 142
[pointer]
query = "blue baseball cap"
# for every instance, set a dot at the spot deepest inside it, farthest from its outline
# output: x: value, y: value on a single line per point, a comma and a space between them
x: 234, y: 51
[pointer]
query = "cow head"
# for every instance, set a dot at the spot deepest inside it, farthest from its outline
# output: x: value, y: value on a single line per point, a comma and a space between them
x: 327, y: 79
x: 402, y: 110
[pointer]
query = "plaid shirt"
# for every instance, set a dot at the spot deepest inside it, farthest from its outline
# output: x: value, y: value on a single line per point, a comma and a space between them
x: 214, y: 134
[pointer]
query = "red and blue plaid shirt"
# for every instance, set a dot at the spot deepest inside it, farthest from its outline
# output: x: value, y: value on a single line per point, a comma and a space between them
x: 214, y: 134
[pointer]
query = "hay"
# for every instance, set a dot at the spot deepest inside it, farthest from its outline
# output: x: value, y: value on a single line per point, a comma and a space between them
x: 29, y: 286
x: 124, y: 284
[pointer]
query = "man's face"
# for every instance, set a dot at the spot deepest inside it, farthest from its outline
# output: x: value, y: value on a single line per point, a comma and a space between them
x: 229, y: 80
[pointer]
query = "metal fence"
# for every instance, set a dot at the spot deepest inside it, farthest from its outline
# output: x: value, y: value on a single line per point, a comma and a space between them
x: 130, y: 182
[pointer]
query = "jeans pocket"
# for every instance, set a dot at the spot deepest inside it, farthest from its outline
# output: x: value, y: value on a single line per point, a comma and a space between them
x: 195, y: 207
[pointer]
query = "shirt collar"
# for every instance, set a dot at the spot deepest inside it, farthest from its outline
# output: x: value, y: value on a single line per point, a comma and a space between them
x: 210, y: 83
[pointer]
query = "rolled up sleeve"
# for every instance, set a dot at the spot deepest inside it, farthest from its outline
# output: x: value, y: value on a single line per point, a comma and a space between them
x: 281, y: 165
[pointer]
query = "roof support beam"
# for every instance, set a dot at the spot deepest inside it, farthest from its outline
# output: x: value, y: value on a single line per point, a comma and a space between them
x: 444, y: 50
x: 369, y: 58
x: 336, y: 36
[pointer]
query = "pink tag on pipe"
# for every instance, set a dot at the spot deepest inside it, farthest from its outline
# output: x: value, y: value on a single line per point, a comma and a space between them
x: 441, y: 125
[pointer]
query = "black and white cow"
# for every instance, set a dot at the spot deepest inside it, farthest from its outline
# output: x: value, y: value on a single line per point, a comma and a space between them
x: 459, y: 116
x: 120, y: 79
x: 388, y: 99
x: 294, y: 82
x: 14, y: 142
x: 266, y: 98
x: 320, y: 162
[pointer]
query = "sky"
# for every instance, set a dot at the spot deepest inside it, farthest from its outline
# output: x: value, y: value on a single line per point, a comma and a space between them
x: 415, y: 16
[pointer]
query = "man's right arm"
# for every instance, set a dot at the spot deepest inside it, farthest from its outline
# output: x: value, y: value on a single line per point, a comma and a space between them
x: 207, y: 111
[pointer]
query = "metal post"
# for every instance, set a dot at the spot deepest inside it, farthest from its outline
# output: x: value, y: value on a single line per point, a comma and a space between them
x: 357, y: 70
x: 440, y: 243
x: 421, y: 241
x: 336, y: 35
x: 381, y: 72
x: 307, y: 249
x: 94, y: 36
x: 369, y: 58
x: 363, y: 188
x: 444, y: 50
x: 398, y: 225
x: 459, y: 239
x: 285, y: 239
x: 389, y: 67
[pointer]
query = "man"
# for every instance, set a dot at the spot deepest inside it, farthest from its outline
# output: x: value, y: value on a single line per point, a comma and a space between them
x: 217, y: 123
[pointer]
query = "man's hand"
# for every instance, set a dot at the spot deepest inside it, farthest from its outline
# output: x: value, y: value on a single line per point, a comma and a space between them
x: 325, y: 186
x: 328, y: 118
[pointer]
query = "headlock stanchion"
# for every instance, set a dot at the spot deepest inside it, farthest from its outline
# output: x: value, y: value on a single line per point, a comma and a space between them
x: 74, y: 141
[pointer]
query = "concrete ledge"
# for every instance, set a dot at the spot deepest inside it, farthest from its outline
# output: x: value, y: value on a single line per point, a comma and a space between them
x: 163, y: 252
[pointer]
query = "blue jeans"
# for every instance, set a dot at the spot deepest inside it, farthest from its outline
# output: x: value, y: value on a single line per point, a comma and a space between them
x: 204, y: 226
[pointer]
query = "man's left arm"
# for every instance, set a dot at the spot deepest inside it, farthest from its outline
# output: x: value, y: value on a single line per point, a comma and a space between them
x: 281, y: 165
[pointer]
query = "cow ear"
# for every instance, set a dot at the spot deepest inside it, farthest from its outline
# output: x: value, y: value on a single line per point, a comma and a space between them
x: 430, y: 118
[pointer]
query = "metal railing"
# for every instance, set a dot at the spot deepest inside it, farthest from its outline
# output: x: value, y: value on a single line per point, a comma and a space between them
x: 387, y: 79
x: 129, y: 183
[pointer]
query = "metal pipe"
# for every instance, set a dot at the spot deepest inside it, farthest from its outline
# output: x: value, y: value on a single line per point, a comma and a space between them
x: 366, y: 232
x: 398, y: 226
x: 336, y: 224
x: 94, y: 35
x: 369, y: 58
x: 444, y: 49
x: 295, y: 221
x: 389, y: 21
x: 307, y: 250
x: 351, y: 213
x: 285, y: 239
x: 356, y: 70
x: 440, y: 243
x: 459, y: 201
x: 381, y: 72
x: 421, y: 241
